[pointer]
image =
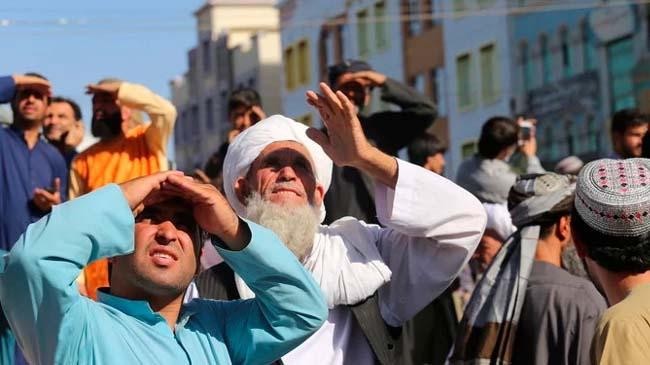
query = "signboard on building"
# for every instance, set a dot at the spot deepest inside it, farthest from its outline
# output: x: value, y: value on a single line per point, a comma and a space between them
x: 576, y: 95
x: 612, y: 22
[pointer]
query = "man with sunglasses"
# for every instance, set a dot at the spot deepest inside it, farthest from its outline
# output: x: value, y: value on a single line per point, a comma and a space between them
x: 34, y: 174
x: 390, y: 131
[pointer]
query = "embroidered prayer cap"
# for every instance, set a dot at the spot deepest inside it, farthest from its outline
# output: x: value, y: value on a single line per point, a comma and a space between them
x: 533, y: 196
x: 248, y: 145
x: 613, y: 196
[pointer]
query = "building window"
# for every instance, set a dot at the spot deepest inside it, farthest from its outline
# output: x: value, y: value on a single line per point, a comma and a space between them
x: 588, y: 56
x: 620, y: 62
x: 489, y: 74
x: 468, y: 149
x: 289, y: 68
x: 362, y: 34
x: 381, y: 26
x: 428, y: 11
x: 414, y: 22
x: 303, y: 63
x: 565, y: 46
x: 463, y: 81
x: 205, y: 49
x: 526, y: 67
x: 571, y: 148
x: 209, y: 115
x: 547, y: 65
x: 484, y: 4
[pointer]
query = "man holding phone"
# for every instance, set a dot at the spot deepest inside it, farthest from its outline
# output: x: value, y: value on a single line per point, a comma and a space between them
x: 34, y: 174
x: 488, y: 174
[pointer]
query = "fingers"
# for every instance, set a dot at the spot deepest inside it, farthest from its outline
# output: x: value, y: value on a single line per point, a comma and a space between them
x: 44, y: 195
x: 330, y: 98
x: 348, y: 107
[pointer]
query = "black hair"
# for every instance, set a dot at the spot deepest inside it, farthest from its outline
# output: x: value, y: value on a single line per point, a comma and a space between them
x: 497, y: 134
x: 245, y: 97
x: 75, y: 107
x: 335, y: 71
x: 423, y: 146
x: 627, y: 118
x: 615, y: 253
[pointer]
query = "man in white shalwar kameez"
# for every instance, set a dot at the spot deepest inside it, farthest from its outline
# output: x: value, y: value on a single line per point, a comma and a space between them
x: 277, y: 173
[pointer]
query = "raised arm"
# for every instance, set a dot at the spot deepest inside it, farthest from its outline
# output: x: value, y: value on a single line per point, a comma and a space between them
x: 161, y: 112
x: 288, y: 306
x: 9, y: 85
x: 433, y: 225
x: 37, y: 278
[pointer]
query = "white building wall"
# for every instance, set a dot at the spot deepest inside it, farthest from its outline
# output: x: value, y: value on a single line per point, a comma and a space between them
x: 306, y: 22
x: 468, y: 34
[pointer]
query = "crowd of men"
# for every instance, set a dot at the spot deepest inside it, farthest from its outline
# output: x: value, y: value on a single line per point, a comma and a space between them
x: 296, y: 245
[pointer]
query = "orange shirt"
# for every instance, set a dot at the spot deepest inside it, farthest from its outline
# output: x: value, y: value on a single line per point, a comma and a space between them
x: 141, y: 152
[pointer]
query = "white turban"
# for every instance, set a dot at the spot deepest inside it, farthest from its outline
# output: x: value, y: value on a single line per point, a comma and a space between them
x: 499, y: 220
x: 248, y: 145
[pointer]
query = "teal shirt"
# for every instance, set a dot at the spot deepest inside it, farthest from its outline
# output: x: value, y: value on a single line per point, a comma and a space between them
x: 53, y: 323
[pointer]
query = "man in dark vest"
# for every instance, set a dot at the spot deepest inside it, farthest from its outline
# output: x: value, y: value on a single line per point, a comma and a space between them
x: 374, y: 279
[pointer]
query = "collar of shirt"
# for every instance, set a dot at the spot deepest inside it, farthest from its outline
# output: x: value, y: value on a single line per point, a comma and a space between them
x: 21, y: 134
x: 140, y: 309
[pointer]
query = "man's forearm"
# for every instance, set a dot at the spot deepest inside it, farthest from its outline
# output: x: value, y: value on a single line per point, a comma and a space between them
x: 380, y: 166
x: 7, y: 89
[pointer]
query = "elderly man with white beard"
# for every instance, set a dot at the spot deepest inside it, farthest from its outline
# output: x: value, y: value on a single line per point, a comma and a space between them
x: 374, y: 278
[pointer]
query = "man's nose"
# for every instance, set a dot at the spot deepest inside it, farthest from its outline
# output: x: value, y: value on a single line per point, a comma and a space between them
x: 287, y: 173
x: 166, y: 233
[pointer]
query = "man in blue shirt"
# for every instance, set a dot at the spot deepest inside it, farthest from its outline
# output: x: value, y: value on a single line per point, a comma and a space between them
x: 33, y: 174
x: 141, y: 318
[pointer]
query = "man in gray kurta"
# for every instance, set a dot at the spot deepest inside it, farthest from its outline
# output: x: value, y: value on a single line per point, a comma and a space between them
x: 555, y: 322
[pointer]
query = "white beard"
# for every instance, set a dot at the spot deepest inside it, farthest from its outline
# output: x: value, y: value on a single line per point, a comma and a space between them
x: 295, y: 225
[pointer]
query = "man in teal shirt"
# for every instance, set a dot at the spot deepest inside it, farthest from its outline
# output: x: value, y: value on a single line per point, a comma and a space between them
x: 141, y: 319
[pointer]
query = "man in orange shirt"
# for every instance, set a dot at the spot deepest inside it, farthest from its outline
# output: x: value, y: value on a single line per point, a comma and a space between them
x: 127, y: 148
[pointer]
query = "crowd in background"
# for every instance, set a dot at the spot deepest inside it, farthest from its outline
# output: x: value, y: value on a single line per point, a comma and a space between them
x: 559, y: 247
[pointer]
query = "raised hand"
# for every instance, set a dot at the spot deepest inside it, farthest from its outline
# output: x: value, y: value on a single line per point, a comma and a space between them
x: 44, y: 199
x: 211, y: 210
x: 345, y: 143
x: 365, y: 78
x: 111, y: 88
x: 147, y: 188
x: 33, y: 83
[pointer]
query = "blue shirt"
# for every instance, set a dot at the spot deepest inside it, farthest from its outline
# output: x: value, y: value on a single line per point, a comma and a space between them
x: 54, y: 324
x: 21, y: 171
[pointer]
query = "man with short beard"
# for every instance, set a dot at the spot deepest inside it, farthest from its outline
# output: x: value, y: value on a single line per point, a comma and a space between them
x: 63, y: 126
x: 152, y: 229
x: 374, y: 279
x: 34, y: 174
x: 127, y: 149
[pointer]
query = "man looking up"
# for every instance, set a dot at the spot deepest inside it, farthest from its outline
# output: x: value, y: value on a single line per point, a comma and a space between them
x: 389, y: 131
x: 34, y: 175
x: 140, y: 319
x: 277, y: 173
x: 63, y: 126
x: 127, y: 148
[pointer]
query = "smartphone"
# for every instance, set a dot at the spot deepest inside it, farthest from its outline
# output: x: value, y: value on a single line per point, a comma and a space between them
x: 526, y: 129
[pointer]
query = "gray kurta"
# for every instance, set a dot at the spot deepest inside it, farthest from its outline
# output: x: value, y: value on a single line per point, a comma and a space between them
x: 558, y: 319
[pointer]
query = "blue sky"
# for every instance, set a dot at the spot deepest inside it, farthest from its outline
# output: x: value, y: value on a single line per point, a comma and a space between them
x: 75, y: 42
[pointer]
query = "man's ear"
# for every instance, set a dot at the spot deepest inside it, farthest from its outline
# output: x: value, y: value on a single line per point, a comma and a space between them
x: 319, y: 195
x: 563, y: 227
x: 242, y: 190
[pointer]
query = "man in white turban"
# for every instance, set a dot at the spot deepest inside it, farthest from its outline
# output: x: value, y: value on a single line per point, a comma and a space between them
x: 277, y: 172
